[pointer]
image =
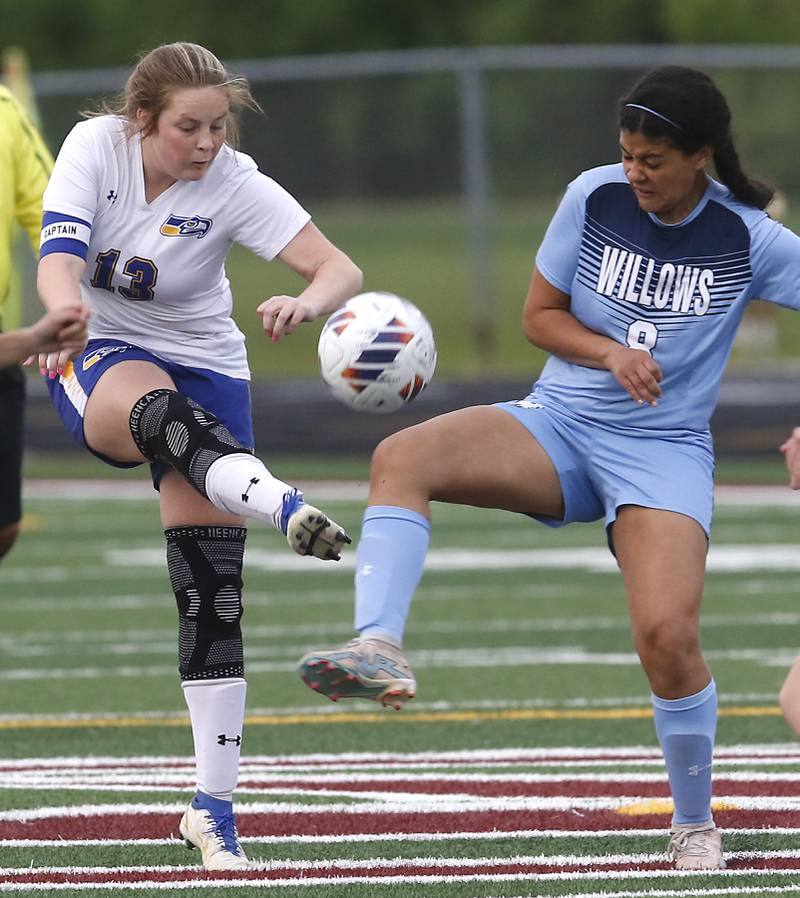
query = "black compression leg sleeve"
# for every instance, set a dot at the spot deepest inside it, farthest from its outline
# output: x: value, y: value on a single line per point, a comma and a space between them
x: 169, y: 427
x: 205, y: 568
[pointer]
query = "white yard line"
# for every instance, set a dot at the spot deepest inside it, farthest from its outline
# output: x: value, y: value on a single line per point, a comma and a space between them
x: 494, y: 835
x: 432, y: 879
x: 721, y: 557
x: 406, y: 803
x: 505, y: 656
x: 766, y: 753
x: 679, y: 893
x: 344, y: 863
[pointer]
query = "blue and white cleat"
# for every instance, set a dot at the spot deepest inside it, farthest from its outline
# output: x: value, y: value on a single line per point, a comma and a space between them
x: 213, y: 830
x: 309, y: 531
x: 367, y: 667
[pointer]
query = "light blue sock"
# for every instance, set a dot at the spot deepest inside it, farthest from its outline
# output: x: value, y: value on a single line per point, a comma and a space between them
x: 389, y: 563
x: 686, y: 728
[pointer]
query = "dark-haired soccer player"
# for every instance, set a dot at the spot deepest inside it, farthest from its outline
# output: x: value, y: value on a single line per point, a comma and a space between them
x: 639, y: 286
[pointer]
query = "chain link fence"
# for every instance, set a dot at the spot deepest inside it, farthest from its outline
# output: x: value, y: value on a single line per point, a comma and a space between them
x: 471, y: 149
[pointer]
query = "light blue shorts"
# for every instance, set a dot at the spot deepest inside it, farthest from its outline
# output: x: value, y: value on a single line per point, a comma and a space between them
x: 601, y: 469
x: 227, y: 398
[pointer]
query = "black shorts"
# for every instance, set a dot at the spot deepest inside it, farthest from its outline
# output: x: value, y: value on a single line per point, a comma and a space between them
x: 12, y: 420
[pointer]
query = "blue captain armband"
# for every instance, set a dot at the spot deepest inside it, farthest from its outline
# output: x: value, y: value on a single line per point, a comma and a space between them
x: 64, y: 234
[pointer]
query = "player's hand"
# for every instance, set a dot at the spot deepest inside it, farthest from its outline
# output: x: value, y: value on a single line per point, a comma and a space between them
x: 63, y: 328
x: 637, y: 372
x: 791, y: 452
x: 58, y: 336
x: 280, y: 315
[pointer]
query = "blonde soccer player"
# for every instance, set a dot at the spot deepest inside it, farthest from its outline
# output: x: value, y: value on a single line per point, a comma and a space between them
x: 142, y: 209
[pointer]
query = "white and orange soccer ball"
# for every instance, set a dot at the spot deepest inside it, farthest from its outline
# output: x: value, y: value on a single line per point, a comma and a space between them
x: 377, y: 352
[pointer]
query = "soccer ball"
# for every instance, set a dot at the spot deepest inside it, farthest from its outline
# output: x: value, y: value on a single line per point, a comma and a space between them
x: 377, y: 352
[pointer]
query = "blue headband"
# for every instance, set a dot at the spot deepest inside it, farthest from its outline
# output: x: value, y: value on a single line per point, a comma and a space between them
x: 656, y: 114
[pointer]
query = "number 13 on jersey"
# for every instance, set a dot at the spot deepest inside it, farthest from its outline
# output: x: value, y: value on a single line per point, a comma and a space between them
x: 142, y: 272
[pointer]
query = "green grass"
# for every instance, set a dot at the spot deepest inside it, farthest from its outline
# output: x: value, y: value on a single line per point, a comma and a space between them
x: 418, y: 251
x: 752, y: 469
x: 87, y: 631
x: 421, y: 251
x: 78, y: 464
x: 45, y: 465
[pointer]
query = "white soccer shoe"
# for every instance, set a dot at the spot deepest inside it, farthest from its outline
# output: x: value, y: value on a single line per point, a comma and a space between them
x: 216, y: 837
x: 308, y: 530
x: 694, y: 846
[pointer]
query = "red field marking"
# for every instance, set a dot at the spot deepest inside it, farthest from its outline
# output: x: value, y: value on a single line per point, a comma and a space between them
x: 337, y: 870
x: 497, y: 788
x: 427, y: 805
x: 493, y: 785
x: 160, y: 825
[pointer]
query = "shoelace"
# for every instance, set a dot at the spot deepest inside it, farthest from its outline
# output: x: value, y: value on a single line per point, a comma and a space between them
x: 292, y: 500
x: 695, y: 848
x: 224, y: 829
x: 392, y: 665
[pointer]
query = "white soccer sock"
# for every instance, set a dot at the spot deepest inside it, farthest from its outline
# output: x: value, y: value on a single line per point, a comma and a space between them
x: 242, y: 485
x: 216, y: 708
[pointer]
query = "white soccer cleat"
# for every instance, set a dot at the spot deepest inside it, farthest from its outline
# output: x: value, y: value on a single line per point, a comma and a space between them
x: 216, y: 837
x: 694, y: 846
x: 308, y: 530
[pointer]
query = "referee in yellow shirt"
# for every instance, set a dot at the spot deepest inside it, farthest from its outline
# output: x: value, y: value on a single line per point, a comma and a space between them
x: 25, y: 165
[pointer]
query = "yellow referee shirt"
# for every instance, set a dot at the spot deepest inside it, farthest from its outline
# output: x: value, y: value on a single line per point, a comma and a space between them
x: 25, y: 165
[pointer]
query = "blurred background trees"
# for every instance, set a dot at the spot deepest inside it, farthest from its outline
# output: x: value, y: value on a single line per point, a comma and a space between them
x: 382, y: 159
x: 58, y: 34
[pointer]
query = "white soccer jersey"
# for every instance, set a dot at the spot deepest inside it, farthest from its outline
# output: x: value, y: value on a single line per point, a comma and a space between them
x: 155, y: 272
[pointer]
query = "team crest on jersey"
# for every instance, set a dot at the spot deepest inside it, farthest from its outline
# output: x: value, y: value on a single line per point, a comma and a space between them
x: 186, y: 226
x: 94, y: 357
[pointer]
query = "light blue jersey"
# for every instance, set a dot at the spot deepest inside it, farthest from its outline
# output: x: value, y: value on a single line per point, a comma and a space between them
x: 676, y: 290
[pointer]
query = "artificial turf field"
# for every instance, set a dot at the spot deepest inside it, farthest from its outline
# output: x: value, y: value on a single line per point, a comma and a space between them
x: 526, y: 766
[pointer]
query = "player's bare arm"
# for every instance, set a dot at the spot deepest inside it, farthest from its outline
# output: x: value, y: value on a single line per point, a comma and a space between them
x: 332, y: 278
x: 791, y: 452
x: 56, y: 330
x: 58, y: 280
x: 63, y: 328
x: 549, y: 324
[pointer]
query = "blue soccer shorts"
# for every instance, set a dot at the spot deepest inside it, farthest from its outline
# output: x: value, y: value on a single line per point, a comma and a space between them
x: 602, y: 469
x: 227, y: 398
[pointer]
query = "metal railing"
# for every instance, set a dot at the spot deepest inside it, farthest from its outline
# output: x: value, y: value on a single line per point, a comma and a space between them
x: 470, y: 68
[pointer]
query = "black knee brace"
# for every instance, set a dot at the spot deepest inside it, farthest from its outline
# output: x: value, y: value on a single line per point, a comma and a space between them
x: 205, y: 568
x: 169, y: 427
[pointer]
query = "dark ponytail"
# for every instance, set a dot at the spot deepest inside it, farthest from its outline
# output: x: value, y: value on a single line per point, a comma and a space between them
x: 729, y: 170
x: 684, y: 106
